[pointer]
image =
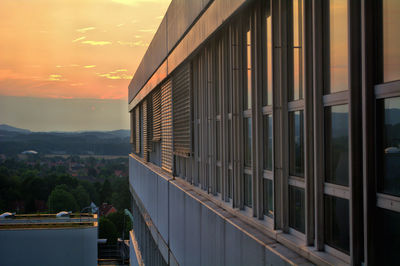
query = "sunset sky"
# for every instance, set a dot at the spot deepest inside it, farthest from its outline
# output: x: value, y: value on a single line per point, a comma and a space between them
x: 73, y: 49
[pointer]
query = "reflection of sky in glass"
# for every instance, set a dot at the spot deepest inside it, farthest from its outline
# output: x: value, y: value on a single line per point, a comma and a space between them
x: 338, y: 46
x: 391, y: 40
x: 297, y: 89
x: 269, y: 60
x: 297, y: 74
x: 297, y: 16
x: 248, y: 92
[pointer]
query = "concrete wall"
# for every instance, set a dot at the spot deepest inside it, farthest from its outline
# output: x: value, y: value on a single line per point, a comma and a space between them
x: 199, y: 232
x: 69, y: 246
x: 133, y: 260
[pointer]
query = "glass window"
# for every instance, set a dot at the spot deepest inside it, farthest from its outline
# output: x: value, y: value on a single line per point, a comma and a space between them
x: 229, y: 140
x: 230, y: 184
x: 218, y: 179
x: 267, y: 94
x: 218, y: 75
x: 248, y: 191
x: 391, y: 40
x: 338, y: 46
x: 389, y: 178
x: 296, y: 143
x: 247, y: 142
x: 388, y: 237
x: 337, y: 226
x: 267, y: 149
x: 218, y: 140
x: 268, y: 197
x: 247, y: 93
x: 296, y: 209
x: 337, y: 145
x: 296, y: 91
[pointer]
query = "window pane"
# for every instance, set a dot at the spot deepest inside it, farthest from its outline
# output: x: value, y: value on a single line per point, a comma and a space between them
x: 218, y: 140
x: 267, y: 95
x: 388, y: 237
x: 218, y: 179
x: 247, y: 92
x: 390, y: 183
x: 296, y: 208
x: 268, y: 198
x: 296, y: 91
x: 267, y: 149
x: 230, y: 184
x: 297, y: 22
x: 337, y: 145
x: 229, y: 140
x: 247, y: 141
x: 248, y: 190
x: 391, y: 40
x: 337, y: 224
x: 338, y: 46
x: 296, y: 143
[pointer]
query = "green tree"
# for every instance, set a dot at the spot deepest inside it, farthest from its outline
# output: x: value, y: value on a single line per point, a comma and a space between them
x: 61, y: 200
x: 122, y: 223
x: 91, y: 189
x: 68, y: 180
x: 81, y: 197
x: 121, y: 198
x: 107, y: 230
x: 106, y: 192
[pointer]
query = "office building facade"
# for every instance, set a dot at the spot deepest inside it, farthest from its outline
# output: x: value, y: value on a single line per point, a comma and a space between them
x: 268, y: 132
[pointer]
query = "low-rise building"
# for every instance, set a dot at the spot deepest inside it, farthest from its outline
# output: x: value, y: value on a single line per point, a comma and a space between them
x: 44, y: 239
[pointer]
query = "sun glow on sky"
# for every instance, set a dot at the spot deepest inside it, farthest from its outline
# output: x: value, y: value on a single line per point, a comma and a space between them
x: 74, y: 48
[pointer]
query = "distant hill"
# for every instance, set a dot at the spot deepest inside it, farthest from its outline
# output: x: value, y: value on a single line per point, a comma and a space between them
x: 5, y: 127
x: 14, y: 141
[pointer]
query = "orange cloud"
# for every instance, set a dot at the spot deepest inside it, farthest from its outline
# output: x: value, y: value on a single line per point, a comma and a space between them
x: 96, y: 43
x: 79, y: 39
x: 133, y: 44
x: 83, y: 30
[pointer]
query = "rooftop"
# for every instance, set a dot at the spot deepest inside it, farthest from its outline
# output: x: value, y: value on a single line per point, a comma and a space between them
x: 48, y: 221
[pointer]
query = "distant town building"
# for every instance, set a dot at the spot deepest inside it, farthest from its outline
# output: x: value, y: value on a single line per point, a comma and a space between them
x: 268, y: 133
x: 30, y: 152
x: 105, y: 209
x: 43, y: 239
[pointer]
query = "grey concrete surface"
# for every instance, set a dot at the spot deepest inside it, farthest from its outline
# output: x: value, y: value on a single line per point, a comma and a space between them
x: 58, y: 246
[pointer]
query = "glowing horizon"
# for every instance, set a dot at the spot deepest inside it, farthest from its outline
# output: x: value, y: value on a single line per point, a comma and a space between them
x: 71, y: 49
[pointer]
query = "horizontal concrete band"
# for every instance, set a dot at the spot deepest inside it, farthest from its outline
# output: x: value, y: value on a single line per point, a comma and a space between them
x: 208, y: 23
x: 200, y: 232
x: 136, y: 258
